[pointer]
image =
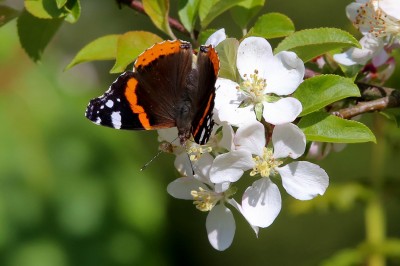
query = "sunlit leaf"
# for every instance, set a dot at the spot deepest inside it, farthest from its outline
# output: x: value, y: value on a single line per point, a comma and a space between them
x: 310, y: 43
x: 188, y: 12
x: 130, y: 45
x: 319, y: 91
x: 7, y: 14
x: 48, y: 9
x: 243, y: 12
x: 227, y: 51
x: 272, y: 25
x: 45, y: 9
x: 158, y: 12
x: 210, y: 9
x: 35, y: 33
x: 103, y: 48
x: 61, y: 3
x: 323, y: 127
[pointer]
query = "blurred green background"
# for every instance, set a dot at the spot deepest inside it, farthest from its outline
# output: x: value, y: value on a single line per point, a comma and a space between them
x: 71, y: 193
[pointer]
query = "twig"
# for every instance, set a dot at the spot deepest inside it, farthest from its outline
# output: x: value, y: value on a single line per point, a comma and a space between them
x: 377, y: 98
x: 138, y: 6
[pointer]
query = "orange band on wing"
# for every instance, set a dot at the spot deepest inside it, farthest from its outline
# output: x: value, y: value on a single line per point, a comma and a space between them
x: 213, y: 55
x: 130, y: 94
x: 204, y: 114
x: 158, y: 50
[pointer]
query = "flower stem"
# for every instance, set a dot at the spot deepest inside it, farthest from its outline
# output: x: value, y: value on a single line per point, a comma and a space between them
x: 375, y: 221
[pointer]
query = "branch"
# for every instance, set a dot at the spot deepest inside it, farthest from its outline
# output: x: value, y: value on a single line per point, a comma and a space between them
x: 377, y: 98
x: 138, y: 6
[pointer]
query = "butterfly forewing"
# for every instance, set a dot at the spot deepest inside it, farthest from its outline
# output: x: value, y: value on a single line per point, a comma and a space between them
x: 207, y: 67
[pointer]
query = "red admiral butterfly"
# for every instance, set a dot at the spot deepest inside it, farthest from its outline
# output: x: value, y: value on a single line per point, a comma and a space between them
x: 166, y: 89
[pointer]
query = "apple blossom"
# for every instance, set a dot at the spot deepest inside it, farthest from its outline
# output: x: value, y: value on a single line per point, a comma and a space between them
x: 266, y: 78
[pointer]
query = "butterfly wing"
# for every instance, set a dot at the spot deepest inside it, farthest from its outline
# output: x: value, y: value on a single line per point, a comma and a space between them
x: 146, y: 98
x: 203, y: 98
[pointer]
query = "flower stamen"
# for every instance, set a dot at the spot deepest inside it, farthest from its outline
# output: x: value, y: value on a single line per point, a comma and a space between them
x: 254, y: 87
x: 265, y: 165
x: 204, y: 199
x: 375, y: 20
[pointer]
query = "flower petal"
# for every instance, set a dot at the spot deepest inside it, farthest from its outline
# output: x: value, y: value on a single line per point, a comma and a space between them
x: 229, y: 167
x: 251, y: 138
x: 227, y: 101
x: 261, y: 203
x: 254, y: 53
x: 226, y: 141
x: 391, y: 7
x: 288, y: 141
x: 285, y: 110
x: 371, y: 46
x: 238, y: 207
x: 221, y: 227
x: 180, y: 188
x: 284, y: 73
x: 303, y: 180
x: 216, y: 37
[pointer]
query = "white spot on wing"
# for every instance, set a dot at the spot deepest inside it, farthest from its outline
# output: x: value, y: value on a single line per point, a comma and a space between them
x: 110, y: 103
x: 98, y: 121
x: 116, y: 120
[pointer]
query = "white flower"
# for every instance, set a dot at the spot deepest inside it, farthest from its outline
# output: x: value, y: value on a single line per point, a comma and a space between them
x: 216, y: 37
x: 379, y: 17
x: 266, y: 78
x: 261, y: 202
x: 210, y: 197
x: 187, y: 155
x: 371, y: 47
x: 379, y: 21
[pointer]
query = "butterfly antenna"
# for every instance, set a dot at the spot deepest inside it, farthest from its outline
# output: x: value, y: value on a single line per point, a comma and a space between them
x: 151, y: 160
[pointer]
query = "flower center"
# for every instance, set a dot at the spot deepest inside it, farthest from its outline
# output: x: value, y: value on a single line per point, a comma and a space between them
x: 375, y: 20
x: 195, y: 151
x: 204, y: 199
x: 254, y: 87
x: 265, y: 165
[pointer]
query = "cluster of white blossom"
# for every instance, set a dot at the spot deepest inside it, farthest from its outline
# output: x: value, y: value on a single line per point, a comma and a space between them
x: 379, y: 22
x: 254, y: 140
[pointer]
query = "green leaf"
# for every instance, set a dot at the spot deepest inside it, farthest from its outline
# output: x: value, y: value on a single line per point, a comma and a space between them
x: 245, y: 11
x: 392, y: 114
x: 210, y: 9
x: 61, y: 3
x: 130, y: 45
x: 7, y: 14
x: 187, y: 13
x: 323, y: 127
x: 35, y: 34
x: 74, y: 11
x: 45, y: 9
x: 227, y: 51
x: 310, y: 43
x: 103, y: 48
x: 272, y: 25
x: 319, y: 91
x: 204, y: 35
x: 158, y: 12
x: 49, y: 9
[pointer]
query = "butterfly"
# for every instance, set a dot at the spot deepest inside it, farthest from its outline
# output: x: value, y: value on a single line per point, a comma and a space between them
x: 169, y: 87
